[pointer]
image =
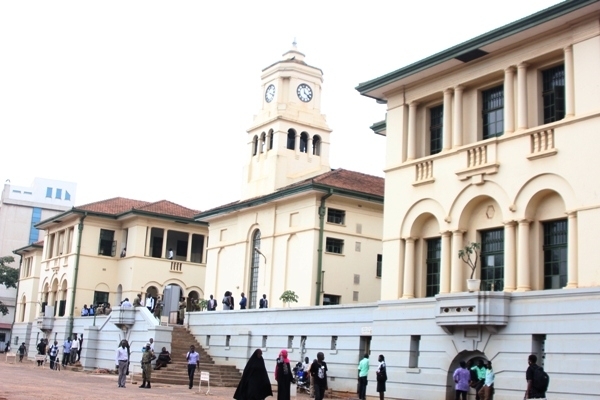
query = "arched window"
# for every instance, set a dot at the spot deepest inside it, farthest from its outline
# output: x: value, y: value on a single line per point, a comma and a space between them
x: 316, y: 145
x: 270, y: 139
x: 303, y: 142
x: 291, y: 139
x: 255, y: 263
x: 262, y: 142
x: 254, y: 145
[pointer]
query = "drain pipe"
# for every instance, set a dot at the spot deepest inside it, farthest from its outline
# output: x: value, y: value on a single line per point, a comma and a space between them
x: 322, y: 210
x: 72, y: 311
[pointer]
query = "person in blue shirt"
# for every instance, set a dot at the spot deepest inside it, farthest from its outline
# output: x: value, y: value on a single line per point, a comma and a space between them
x: 243, y: 302
x: 66, y: 352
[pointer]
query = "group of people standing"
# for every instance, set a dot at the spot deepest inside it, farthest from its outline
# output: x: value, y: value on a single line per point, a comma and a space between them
x: 100, y: 309
x: 229, y: 302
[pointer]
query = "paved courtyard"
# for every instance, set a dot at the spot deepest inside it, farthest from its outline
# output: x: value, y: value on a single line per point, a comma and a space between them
x: 26, y: 380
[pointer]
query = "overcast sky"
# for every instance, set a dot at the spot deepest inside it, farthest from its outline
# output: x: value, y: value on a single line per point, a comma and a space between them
x: 143, y: 99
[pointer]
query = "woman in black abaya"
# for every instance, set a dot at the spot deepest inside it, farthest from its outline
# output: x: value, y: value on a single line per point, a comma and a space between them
x: 255, y: 383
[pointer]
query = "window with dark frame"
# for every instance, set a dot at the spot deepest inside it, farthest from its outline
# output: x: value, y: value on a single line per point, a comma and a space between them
x: 553, y: 93
x: 379, y: 264
x: 492, y: 260
x: 107, y: 245
x: 100, y: 298
x: 555, y: 254
x: 334, y: 245
x: 434, y: 252
x: 493, y: 112
x: 436, y: 122
x: 335, y: 216
x: 291, y: 140
x: 331, y: 299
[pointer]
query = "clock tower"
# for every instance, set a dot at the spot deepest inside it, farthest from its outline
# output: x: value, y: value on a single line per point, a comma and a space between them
x: 289, y: 138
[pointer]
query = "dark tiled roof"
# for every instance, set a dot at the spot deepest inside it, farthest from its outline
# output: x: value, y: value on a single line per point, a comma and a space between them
x: 341, y: 179
x: 114, y: 206
x: 120, y: 205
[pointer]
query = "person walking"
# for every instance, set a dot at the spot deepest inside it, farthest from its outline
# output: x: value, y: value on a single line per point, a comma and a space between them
x: 487, y: 391
x: 461, y: 378
x: 121, y: 361
x: 363, y: 377
x: 53, y: 352
x: 193, y: 361
x: 534, y: 391
x: 41, y: 348
x: 22, y: 350
x: 381, y: 374
x: 255, y: 383
x: 147, y: 358
x: 283, y: 376
x: 318, y: 372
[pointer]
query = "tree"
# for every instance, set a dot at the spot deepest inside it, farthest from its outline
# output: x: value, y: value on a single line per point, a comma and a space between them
x: 9, y: 277
x: 289, y: 296
x: 470, y: 256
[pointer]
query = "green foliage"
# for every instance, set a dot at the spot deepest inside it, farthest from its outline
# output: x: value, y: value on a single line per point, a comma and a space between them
x: 470, y: 255
x: 201, y: 305
x: 8, y: 277
x: 289, y: 296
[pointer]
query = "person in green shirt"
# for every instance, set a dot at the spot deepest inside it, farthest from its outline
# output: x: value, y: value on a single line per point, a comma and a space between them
x: 147, y: 358
x: 363, y: 372
x: 481, y: 372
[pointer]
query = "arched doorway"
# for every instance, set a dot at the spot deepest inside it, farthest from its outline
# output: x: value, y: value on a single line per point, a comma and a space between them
x: 192, y: 301
x: 466, y: 356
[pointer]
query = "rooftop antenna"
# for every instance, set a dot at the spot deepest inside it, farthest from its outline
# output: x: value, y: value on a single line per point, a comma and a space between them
x: 294, y: 42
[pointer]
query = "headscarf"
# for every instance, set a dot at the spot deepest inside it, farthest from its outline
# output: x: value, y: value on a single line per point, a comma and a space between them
x: 283, y: 358
x: 255, y: 383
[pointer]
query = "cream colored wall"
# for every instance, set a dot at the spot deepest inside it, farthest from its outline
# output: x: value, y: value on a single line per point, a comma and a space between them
x: 289, y: 240
x: 135, y: 273
x: 518, y: 181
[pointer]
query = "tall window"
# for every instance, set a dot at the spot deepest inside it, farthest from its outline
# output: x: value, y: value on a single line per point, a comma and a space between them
x: 108, y: 244
x: 554, y: 93
x: 58, y: 194
x: 492, y: 260
x: 336, y: 216
x: 100, y: 297
x: 270, y: 139
x: 36, y: 216
x: 255, y: 145
x: 291, y: 139
x: 316, y: 145
x: 334, y: 245
x: 555, y: 254
x: 304, y: 142
x: 436, y: 120
x: 255, y: 263
x: 49, y: 192
x: 493, y: 112
x: 434, y: 251
x: 379, y: 265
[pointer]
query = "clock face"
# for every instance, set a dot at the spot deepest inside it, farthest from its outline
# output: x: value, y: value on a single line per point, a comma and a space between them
x: 304, y: 92
x: 270, y: 93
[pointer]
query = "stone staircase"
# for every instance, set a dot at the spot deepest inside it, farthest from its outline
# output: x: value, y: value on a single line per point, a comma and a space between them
x: 176, y: 372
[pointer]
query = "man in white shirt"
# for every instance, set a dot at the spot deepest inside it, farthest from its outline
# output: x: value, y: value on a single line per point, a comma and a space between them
x: 121, y: 361
x: 74, y: 348
x: 149, y: 302
x: 151, y: 341
x: 170, y: 254
x: 125, y: 303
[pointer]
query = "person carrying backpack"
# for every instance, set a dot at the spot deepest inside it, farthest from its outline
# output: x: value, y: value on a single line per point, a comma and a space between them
x: 537, y: 380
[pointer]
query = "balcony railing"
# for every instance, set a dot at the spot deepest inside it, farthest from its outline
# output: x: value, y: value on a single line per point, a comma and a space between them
x: 176, y: 266
x: 487, y: 309
x: 481, y: 160
x: 423, y: 172
x: 542, y: 144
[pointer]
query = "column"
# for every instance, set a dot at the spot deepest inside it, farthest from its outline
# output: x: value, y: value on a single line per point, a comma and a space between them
x: 188, y: 257
x: 458, y: 123
x: 569, y: 82
x: 572, y: 269
x: 457, y: 266
x: 447, y: 122
x: 523, y: 268
x: 409, y: 270
x: 445, y: 263
x: 148, y: 236
x: 510, y: 266
x: 163, y: 253
x: 297, y: 143
x: 509, y: 100
x: 412, y: 132
x: 309, y: 147
x: 522, y: 96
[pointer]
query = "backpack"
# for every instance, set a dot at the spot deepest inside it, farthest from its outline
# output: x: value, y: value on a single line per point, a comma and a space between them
x: 541, y: 380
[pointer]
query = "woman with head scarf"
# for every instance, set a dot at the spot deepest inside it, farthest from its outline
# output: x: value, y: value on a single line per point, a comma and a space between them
x: 283, y: 376
x: 255, y: 383
x: 381, y: 376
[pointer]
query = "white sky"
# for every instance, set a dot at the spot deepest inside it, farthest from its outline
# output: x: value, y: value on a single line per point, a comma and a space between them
x: 143, y: 99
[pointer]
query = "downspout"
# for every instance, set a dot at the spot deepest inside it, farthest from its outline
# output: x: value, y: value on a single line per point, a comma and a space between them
x: 17, y: 295
x: 322, y: 210
x: 72, y: 311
